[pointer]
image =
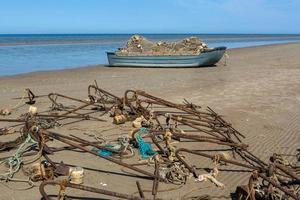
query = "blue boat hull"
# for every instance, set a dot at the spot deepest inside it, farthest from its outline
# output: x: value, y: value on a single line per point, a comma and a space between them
x: 207, y: 58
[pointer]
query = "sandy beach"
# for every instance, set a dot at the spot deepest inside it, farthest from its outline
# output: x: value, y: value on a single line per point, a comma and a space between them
x: 258, y: 91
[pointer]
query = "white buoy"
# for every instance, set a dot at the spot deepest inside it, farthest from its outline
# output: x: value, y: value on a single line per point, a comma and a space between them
x: 76, y: 175
x: 32, y: 110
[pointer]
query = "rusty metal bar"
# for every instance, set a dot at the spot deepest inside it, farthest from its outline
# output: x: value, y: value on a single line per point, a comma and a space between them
x: 291, y: 194
x: 141, y: 193
x: 220, y: 119
x: 75, y: 109
x: 64, y: 184
x: 78, y: 108
x: 82, y: 141
x: 192, y: 170
x: 96, y: 88
x: 154, y: 140
x: 83, y: 116
x: 155, y: 181
x: 215, y: 141
x: 199, y: 129
x: 12, y: 120
x: 50, y: 96
x: 287, y: 171
x: 57, y: 137
x: 169, y: 104
x: 86, y: 103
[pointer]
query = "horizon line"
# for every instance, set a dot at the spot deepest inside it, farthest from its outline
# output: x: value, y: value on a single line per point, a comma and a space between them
x: 149, y: 33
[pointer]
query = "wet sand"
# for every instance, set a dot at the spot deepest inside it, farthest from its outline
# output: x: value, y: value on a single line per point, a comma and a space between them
x: 258, y: 91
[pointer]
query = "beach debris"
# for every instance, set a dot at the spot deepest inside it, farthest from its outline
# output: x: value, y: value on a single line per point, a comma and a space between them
x: 141, y: 193
x: 9, y: 109
x: 5, y: 111
x: 159, y: 130
x: 212, y: 177
x: 30, y: 96
x: 7, y: 130
x: 139, y: 45
x: 64, y: 184
x: 40, y: 171
x: 137, y: 123
x: 176, y: 173
x: 145, y: 148
x: 32, y: 110
x: 15, y: 162
x: 103, y: 184
x: 119, y: 119
x: 76, y: 175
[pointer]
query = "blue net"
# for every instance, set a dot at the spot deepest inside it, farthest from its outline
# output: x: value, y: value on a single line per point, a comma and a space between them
x: 145, y: 148
x: 103, y: 152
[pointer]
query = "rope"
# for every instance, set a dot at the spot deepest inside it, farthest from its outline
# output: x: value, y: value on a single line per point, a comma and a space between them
x: 19, y: 103
x: 48, y: 123
x: 98, y: 137
x: 30, y: 183
x: 7, y: 110
x: 122, y: 143
x: 176, y: 173
x: 14, y: 162
x: 7, y: 130
x: 212, y: 175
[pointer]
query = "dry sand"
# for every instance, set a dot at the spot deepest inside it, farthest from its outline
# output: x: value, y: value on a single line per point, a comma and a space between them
x: 258, y: 92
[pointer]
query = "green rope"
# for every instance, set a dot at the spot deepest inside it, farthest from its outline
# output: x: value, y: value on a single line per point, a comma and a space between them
x: 15, y: 161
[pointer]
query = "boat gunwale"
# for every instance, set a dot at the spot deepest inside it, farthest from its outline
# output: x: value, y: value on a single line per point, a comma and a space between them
x: 167, y: 56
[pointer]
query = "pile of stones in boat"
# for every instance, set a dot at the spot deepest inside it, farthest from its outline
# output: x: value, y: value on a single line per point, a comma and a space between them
x: 155, y: 138
x: 139, y: 45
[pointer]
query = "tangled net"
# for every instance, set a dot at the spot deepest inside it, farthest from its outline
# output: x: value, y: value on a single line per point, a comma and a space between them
x: 138, y: 45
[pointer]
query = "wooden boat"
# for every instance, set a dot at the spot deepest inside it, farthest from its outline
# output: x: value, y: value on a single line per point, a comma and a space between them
x: 206, y: 58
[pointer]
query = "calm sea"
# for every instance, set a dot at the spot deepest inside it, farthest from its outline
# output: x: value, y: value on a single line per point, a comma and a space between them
x: 28, y: 53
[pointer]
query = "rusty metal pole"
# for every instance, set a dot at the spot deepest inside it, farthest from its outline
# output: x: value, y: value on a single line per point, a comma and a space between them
x: 57, y: 137
x: 211, y: 140
x: 192, y: 170
x: 96, y: 88
x: 140, y: 189
x: 286, y: 191
x: 155, y: 181
x: 220, y: 119
x: 82, y: 141
x: 63, y: 96
x: 169, y: 104
x: 157, y: 144
x: 287, y: 171
x: 12, y: 120
x: 84, y: 188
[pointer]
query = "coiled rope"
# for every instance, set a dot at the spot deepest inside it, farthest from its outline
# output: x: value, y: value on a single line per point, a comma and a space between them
x: 15, y: 162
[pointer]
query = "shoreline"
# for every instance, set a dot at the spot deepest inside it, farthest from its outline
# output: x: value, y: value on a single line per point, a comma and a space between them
x: 258, y: 92
x: 106, y: 65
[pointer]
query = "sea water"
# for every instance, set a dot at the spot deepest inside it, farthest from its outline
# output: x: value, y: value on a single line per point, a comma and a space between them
x: 31, y: 52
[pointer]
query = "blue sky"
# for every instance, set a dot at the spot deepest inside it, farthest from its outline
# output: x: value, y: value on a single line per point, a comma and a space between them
x: 149, y: 16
